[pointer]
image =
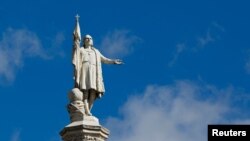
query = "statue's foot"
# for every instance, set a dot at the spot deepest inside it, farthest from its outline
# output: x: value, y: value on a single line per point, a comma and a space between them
x: 88, y: 114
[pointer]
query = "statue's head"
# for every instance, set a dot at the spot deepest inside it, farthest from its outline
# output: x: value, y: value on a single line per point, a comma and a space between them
x: 87, y: 40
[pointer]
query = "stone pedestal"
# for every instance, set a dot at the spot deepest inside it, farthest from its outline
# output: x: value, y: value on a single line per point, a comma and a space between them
x: 83, y: 127
x: 86, y: 130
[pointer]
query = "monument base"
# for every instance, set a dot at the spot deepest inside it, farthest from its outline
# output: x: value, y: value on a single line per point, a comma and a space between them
x: 87, y: 130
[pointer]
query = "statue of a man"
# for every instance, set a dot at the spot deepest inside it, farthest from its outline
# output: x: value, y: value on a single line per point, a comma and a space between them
x: 87, y: 62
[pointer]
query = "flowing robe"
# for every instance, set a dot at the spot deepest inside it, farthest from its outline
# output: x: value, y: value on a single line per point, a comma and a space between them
x: 89, y: 70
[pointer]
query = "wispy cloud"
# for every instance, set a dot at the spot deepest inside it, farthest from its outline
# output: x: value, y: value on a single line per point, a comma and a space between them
x: 118, y: 43
x: 15, y: 46
x: 55, y: 138
x: 16, y: 136
x: 218, y: 26
x: 206, y: 39
x: 179, y: 49
x: 211, y: 35
x: 247, y: 64
x: 56, y: 45
x: 18, y: 44
x: 175, y: 112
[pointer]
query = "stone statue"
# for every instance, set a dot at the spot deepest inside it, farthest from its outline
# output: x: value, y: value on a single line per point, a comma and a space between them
x: 87, y: 62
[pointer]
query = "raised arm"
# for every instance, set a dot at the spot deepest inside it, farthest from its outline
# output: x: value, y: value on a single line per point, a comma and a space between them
x: 76, y: 51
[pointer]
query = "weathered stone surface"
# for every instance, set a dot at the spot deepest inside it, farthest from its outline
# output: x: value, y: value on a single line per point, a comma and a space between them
x: 87, y: 62
x: 80, y: 131
x: 88, y: 86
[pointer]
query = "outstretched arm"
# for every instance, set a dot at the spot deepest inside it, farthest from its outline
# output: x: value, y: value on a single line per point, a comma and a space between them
x: 118, y: 61
x: 110, y: 61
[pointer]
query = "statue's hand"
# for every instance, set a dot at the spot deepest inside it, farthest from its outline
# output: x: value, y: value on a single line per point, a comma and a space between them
x: 118, y: 61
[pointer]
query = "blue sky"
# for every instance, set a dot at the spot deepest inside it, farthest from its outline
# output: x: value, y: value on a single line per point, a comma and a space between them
x: 187, y: 64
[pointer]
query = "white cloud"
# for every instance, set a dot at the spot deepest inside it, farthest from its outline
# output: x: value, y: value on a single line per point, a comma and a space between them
x: 118, y: 43
x: 212, y: 34
x: 179, y: 49
x: 59, y: 39
x: 18, y: 44
x: 14, y: 47
x: 203, y: 41
x: 174, y: 112
x: 15, y: 136
x: 218, y: 26
x: 247, y: 64
x: 57, y: 42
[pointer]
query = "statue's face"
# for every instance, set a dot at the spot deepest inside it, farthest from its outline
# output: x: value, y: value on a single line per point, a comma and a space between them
x: 88, y: 41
